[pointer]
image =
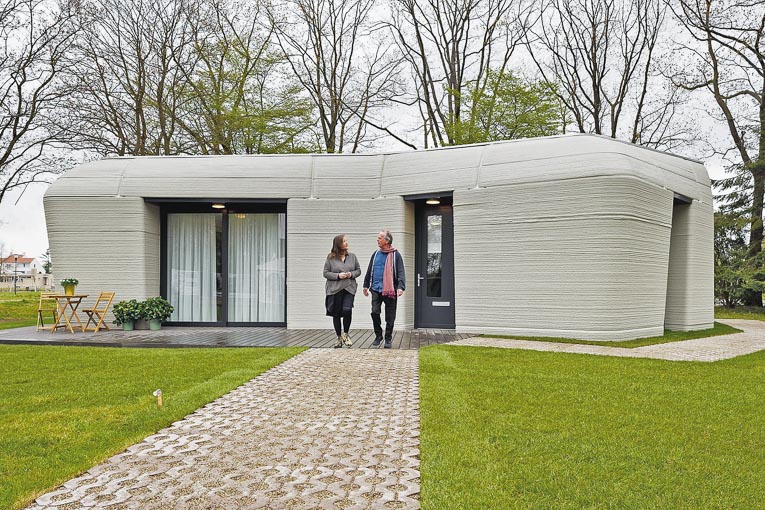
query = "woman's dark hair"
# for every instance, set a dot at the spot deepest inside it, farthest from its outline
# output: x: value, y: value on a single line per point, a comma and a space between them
x: 337, y: 246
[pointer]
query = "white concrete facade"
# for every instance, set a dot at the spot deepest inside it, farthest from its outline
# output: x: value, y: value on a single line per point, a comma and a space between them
x: 575, y: 236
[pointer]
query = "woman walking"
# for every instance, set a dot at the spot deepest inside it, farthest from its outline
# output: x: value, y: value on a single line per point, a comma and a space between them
x: 341, y: 270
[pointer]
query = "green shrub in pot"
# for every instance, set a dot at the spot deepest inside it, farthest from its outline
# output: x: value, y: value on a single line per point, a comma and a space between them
x: 156, y: 310
x: 126, y: 313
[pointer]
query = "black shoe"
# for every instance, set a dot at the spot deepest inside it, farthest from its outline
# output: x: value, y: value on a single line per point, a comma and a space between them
x: 388, y: 344
x: 377, y: 342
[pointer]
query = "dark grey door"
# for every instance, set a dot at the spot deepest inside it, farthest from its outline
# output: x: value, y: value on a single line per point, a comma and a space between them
x: 434, y: 266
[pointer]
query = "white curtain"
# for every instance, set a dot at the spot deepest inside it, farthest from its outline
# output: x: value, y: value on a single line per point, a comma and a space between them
x: 256, y: 267
x: 191, y: 258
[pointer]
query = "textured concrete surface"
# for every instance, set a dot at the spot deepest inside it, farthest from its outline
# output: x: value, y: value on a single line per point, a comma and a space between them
x: 714, y: 348
x: 571, y: 230
x: 329, y: 429
x: 552, y: 266
x: 311, y: 226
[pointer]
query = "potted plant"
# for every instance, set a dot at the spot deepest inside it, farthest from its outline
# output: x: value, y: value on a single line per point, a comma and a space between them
x: 69, y: 284
x: 126, y: 313
x: 155, y: 310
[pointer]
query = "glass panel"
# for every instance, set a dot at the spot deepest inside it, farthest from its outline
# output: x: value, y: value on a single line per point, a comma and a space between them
x: 434, y: 255
x: 193, y: 266
x: 257, y: 245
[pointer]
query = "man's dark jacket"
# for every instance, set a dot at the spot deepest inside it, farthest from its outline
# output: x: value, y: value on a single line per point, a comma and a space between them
x: 399, y: 276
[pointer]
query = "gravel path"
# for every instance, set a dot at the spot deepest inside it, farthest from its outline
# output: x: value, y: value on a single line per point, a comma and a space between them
x: 329, y: 429
x: 702, y: 349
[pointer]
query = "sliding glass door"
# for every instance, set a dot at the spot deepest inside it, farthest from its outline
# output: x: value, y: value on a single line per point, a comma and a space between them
x: 256, y: 267
x: 194, y: 266
x: 225, y: 267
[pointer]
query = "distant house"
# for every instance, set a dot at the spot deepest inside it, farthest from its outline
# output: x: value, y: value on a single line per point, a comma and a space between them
x: 27, y: 272
x: 20, y: 263
x: 575, y: 236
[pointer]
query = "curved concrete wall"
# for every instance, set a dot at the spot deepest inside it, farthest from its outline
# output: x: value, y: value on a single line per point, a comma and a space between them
x: 564, y: 236
x: 545, y: 265
x: 107, y: 243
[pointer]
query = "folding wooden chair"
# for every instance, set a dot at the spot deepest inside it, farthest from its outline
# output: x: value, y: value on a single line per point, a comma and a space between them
x: 97, y: 314
x: 47, y: 305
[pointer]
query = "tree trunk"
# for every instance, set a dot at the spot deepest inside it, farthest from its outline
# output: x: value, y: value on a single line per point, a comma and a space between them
x: 754, y: 298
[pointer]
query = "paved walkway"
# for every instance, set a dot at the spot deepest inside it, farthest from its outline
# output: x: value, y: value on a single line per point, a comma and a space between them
x: 714, y: 348
x: 329, y: 429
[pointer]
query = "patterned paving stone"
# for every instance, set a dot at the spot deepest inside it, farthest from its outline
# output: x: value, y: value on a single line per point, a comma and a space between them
x: 327, y: 429
x: 702, y: 349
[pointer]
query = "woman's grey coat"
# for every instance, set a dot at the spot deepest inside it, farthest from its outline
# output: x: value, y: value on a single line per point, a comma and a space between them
x: 332, y: 269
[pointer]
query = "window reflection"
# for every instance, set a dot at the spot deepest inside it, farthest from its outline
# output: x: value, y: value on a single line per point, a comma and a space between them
x: 434, y: 223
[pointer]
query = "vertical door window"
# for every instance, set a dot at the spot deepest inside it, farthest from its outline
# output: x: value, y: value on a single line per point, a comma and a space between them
x: 194, y: 266
x: 257, y: 245
x: 434, y: 223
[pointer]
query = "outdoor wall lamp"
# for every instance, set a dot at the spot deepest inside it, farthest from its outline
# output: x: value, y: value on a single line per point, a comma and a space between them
x: 433, y: 201
x: 219, y: 206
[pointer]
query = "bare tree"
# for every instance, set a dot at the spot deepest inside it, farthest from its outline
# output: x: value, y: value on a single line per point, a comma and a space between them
x: 181, y: 76
x: 449, y: 45
x: 350, y: 71
x: 602, y: 54
x: 34, y: 36
x: 126, y: 80
x: 241, y: 97
x: 727, y: 60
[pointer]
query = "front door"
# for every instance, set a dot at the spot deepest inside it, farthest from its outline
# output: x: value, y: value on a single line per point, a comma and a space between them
x: 434, y: 265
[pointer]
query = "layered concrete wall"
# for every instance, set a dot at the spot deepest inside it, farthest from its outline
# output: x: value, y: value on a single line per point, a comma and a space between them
x: 586, y: 258
x: 691, y: 261
x: 107, y: 243
x: 311, y: 226
x: 561, y: 236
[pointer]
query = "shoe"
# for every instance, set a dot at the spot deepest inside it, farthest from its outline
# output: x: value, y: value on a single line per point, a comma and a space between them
x: 347, y: 340
x: 377, y: 342
x: 339, y: 342
x: 388, y: 344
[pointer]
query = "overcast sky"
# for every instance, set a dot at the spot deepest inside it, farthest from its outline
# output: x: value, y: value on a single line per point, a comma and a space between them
x: 23, y: 222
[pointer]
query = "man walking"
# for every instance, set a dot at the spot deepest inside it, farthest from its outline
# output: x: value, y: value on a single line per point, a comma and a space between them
x: 387, y: 280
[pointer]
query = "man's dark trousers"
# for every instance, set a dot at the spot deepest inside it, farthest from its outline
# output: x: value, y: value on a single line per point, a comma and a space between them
x: 390, y: 315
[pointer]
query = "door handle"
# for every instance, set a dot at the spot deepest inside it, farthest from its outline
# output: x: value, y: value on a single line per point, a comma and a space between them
x: 419, y: 279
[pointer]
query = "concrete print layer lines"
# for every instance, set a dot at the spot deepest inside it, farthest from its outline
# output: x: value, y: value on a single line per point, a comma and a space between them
x: 327, y: 429
x: 715, y: 348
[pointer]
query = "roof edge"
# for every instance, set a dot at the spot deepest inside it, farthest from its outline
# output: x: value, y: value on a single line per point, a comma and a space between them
x: 429, y: 149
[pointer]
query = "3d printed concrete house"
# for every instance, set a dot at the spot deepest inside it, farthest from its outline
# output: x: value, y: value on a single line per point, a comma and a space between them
x: 576, y: 236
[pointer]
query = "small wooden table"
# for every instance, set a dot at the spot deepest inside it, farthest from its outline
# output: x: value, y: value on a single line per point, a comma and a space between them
x: 67, y: 310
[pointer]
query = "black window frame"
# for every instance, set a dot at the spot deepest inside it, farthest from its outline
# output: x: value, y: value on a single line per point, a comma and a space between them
x: 167, y: 206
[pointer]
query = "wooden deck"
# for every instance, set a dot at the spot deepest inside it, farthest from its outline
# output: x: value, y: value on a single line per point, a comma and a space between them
x: 226, y: 337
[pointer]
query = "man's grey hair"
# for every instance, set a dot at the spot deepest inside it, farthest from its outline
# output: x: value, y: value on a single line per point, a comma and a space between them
x: 388, y: 235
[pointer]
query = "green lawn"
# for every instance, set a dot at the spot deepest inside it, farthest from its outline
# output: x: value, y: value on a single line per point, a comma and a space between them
x: 669, y: 336
x: 18, y: 310
x: 740, y: 312
x: 505, y: 428
x: 64, y: 409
